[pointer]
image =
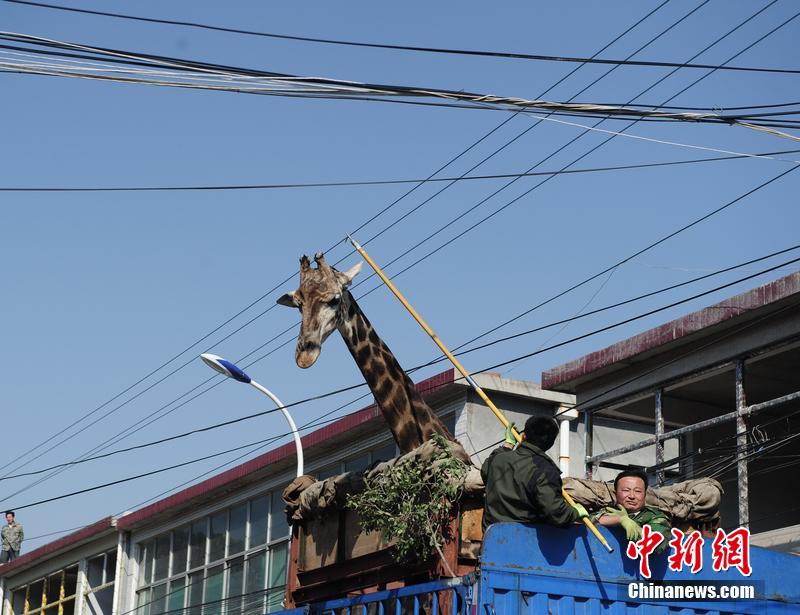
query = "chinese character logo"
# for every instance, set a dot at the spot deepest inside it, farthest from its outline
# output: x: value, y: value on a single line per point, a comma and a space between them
x: 642, y: 549
x: 732, y: 550
x: 687, y: 550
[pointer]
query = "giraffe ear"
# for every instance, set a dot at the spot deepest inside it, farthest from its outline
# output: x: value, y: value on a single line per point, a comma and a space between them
x: 347, y: 276
x: 288, y: 300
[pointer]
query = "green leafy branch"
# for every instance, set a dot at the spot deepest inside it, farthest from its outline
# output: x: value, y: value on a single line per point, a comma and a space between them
x: 412, y: 502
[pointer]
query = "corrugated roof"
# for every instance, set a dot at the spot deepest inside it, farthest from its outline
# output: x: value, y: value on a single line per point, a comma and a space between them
x: 62, y: 544
x: 559, y: 378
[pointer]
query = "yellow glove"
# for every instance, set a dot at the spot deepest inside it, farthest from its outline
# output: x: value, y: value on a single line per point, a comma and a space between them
x: 582, y: 512
x: 633, y: 530
x: 510, y: 439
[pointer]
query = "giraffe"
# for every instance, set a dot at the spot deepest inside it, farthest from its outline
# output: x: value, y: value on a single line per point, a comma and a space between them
x: 326, y: 304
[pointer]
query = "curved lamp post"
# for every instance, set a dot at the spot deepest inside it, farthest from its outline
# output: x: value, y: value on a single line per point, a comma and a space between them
x: 226, y: 368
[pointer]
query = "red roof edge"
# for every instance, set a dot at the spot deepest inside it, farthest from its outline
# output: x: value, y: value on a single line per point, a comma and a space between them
x: 62, y: 543
x: 257, y: 463
x: 679, y: 328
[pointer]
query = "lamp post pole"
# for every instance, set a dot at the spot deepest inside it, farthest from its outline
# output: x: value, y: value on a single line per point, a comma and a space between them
x: 226, y: 368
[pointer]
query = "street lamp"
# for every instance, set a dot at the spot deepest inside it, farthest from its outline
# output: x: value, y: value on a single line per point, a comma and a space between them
x: 226, y: 368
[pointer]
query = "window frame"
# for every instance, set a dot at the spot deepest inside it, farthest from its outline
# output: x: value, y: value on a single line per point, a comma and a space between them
x: 145, y: 559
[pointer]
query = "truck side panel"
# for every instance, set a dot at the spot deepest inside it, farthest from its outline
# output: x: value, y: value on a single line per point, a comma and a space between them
x: 538, y: 569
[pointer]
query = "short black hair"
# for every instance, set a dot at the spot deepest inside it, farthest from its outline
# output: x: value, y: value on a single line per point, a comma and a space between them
x: 10, y: 512
x: 636, y: 473
x: 541, y: 431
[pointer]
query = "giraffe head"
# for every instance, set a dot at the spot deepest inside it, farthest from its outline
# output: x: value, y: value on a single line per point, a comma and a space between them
x: 319, y: 298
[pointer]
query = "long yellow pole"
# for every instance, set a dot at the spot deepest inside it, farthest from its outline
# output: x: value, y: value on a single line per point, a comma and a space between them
x: 457, y: 364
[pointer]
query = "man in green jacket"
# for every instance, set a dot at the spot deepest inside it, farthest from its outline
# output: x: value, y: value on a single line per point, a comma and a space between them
x: 630, y: 489
x: 524, y: 484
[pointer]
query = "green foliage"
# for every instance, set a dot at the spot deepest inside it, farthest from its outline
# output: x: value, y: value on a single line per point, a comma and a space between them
x: 412, y: 503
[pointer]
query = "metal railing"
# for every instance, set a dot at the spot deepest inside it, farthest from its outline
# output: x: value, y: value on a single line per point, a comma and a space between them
x: 453, y: 596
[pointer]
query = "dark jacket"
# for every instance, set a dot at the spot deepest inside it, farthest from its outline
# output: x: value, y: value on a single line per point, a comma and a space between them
x: 524, y: 485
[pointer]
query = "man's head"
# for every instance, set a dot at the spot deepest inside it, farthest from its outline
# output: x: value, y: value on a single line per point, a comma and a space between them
x: 10, y: 516
x: 541, y: 431
x: 630, y: 488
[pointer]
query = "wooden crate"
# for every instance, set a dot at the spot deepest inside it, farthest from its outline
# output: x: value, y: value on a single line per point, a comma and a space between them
x: 333, y: 557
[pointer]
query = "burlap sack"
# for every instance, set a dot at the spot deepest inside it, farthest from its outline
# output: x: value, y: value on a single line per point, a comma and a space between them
x: 308, y: 499
x: 692, y: 500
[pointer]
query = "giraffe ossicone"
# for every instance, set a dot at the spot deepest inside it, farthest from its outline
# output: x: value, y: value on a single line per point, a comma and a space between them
x: 325, y: 305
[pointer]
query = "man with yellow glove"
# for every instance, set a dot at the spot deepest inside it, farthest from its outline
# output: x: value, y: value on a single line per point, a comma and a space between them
x: 630, y: 488
x: 524, y: 484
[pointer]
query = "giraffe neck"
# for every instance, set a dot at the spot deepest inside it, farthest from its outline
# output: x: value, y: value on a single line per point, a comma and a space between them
x: 410, y: 419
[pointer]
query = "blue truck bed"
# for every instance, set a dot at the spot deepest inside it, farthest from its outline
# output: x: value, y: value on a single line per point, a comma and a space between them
x: 540, y: 569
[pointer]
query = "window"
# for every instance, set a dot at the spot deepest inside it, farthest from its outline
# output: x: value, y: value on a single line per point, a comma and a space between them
x: 360, y: 462
x: 232, y: 562
x: 51, y: 595
x: 99, y: 591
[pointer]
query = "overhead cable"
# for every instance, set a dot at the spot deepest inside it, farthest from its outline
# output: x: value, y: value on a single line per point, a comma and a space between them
x: 436, y: 50
x: 247, y: 80
x: 340, y: 184
x: 593, y: 149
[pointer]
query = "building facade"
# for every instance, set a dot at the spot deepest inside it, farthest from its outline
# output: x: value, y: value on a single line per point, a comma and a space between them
x: 221, y: 547
x: 713, y: 393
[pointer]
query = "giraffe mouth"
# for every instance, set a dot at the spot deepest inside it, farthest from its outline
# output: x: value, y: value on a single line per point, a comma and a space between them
x: 307, y: 354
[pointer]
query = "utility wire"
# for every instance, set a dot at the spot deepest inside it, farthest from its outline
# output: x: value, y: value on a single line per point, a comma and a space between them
x: 628, y: 258
x: 279, y: 84
x: 736, y: 448
x: 39, y: 69
x: 245, y: 309
x: 282, y: 186
x: 436, y: 50
x: 394, y: 203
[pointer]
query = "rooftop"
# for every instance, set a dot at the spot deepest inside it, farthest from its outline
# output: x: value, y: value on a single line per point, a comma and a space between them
x: 745, y: 306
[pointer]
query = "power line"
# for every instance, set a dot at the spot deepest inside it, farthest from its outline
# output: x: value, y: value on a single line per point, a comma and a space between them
x: 279, y: 84
x: 736, y: 448
x: 437, y: 50
x: 625, y: 260
x: 252, y: 304
x: 391, y: 205
x: 182, y: 464
x: 226, y: 87
x: 281, y: 186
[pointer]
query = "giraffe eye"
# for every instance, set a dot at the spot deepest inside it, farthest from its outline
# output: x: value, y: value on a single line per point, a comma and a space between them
x: 335, y: 300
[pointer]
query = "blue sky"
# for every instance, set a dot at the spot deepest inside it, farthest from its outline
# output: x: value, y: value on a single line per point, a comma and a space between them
x: 102, y: 288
